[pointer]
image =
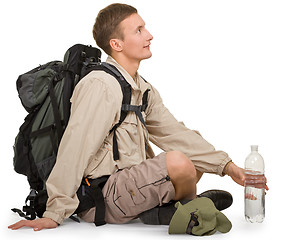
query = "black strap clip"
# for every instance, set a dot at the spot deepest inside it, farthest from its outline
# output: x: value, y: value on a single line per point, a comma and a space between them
x: 192, y: 223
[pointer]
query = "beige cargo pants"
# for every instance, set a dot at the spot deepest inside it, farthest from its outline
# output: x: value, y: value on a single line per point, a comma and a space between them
x: 129, y: 192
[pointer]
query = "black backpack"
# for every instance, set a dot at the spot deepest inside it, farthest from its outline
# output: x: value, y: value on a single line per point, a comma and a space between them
x: 45, y: 93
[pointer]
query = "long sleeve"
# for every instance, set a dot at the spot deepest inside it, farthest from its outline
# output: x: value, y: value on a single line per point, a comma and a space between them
x: 94, y: 111
x: 169, y: 134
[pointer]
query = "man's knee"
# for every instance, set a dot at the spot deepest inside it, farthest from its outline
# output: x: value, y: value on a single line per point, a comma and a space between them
x: 180, y: 166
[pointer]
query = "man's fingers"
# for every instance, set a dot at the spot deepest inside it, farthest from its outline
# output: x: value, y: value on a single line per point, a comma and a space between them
x: 37, y: 228
x: 20, y: 224
x: 37, y: 224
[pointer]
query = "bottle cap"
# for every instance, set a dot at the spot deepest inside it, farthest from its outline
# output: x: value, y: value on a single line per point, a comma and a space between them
x: 254, y: 147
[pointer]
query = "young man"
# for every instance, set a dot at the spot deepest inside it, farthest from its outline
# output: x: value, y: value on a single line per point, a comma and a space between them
x: 86, y: 148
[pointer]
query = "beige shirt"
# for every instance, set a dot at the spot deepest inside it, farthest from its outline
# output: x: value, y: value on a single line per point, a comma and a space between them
x: 86, y: 146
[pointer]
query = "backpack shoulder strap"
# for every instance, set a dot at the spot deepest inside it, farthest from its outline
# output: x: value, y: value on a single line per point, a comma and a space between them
x: 126, y: 91
x: 145, y: 97
x: 125, y: 86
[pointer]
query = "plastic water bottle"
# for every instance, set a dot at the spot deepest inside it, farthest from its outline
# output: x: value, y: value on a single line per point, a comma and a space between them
x: 254, y: 187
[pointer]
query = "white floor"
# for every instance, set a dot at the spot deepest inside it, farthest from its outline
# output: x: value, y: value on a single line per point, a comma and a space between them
x: 277, y: 213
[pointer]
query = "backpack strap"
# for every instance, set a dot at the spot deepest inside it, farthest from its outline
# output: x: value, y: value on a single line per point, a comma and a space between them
x: 138, y: 109
x: 126, y: 106
x: 126, y: 91
x: 28, y: 211
x: 90, y: 195
x: 57, y: 116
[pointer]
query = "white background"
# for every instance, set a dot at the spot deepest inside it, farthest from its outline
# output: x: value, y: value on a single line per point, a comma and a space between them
x: 222, y: 67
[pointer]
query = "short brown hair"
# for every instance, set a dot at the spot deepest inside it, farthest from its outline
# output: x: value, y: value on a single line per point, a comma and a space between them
x: 107, y: 23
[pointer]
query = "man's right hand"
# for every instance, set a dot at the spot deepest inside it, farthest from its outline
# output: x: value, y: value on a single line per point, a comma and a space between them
x: 37, y: 224
x: 238, y: 175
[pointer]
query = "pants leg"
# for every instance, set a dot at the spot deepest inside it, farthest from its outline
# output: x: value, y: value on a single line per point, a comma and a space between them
x: 132, y: 191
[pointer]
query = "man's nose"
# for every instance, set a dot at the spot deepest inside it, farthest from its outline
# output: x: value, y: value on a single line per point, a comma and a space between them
x: 149, y: 36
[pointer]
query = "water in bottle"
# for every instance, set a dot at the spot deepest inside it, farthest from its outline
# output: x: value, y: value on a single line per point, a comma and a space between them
x: 254, y: 187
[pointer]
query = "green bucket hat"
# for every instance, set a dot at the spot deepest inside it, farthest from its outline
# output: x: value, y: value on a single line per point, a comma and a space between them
x: 198, y: 217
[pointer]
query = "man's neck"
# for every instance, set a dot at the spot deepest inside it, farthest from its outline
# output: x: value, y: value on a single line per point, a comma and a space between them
x: 130, y: 66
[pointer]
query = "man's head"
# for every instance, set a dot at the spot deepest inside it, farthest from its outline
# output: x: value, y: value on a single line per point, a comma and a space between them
x: 119, y: 30
x: 107, y: 24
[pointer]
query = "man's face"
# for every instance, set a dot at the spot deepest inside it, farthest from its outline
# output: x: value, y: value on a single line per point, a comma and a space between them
x: 136, y: 38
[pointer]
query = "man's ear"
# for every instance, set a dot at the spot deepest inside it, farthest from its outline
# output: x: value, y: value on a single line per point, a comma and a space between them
x: 116, y: 44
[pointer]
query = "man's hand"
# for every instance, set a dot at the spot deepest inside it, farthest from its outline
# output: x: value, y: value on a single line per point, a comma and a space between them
x: 37, y: 225
x: 238, y: 174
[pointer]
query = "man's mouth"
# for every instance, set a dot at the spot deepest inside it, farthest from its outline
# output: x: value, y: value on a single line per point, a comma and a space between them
x: 148, y: 46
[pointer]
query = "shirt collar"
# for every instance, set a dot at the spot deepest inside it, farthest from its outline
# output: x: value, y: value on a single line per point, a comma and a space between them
x: 138, y: 84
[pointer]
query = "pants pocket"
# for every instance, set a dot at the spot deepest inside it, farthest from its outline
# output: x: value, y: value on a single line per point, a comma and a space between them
x: 127, y: 199
x: 136, y: 197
